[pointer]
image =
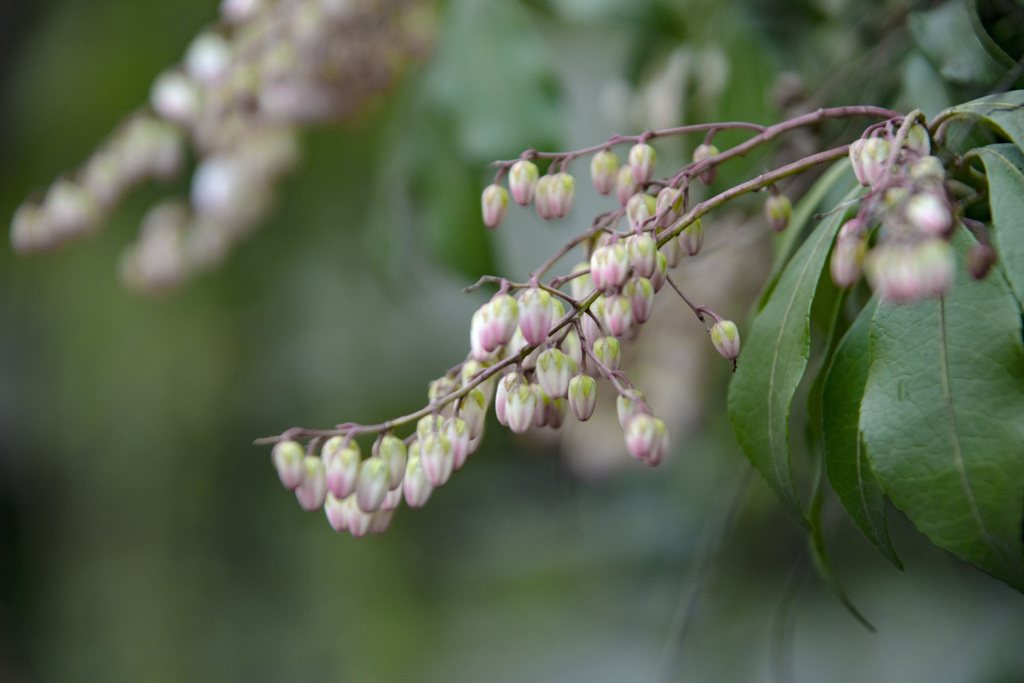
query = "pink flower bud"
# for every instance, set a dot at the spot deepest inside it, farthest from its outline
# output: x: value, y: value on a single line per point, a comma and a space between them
x: 702, y: 152
x: 647, y: 439
x: 847, y: 258
x: 288, y: 459
x: 642, y: 253
x: 436, y: 458
x: 494, y: 204
x: 358, y: 521
x: 603, y: 170
x: 660, y: 274
x: 69, y: 210
x: 208, y: 57
x: 542, y: 197
x: 778, y: 210
x: 856, y: 153
x: 929, y: 214
x: 609, y: 267
x: 874, y: 159
x: 535, y: 315
x: 641, y: 162
x: 393, y: 498
x: 312, y: 492
x: 572, y: 347
x: 391, y: 451
x: 639, y: 209
x: 582, y: 396
x: 501, y: 397
x: 608, y: 352
x: 522, y: 402
x: 457, y: 433
x: 372, y: 484
x: 554, y: 370
x: 641, y: 293
x: 928, y: 170
x: 726, y: 338
x: 473, y: 409
x: 668, y: 206
x: 618, y: 314
x: 591, y: 330
x: 540, y: 406
x: 472, y: 367
x: 555, y: 410
x: 917, y: 141
x: 415, y: 485
x: 380, y: 521
x: 522, y: 181
x: 582, y: 285
x: 692, y: 238
x: 428, y: 424
x: 980, y: 259
x: 563, y: 193
x: 673, y: 252
x: 337, y: 512
x: 342, y: 469
x: 493, y: 325
x: 175, y: 98
x: 625, y: 186
x: 628, y: 405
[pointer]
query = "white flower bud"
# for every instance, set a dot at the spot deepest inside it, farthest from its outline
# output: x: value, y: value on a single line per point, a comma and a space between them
x: 522, y: 403
x: 726, y: 338
x: 288, y: 459
x: 554, y: 370
x: 416, y: 486
x: 372, y: 484
x: 646, y: 438
x: 391, y: 450
x: 312, y: 492
x: 436, y: 458
x: 522, y: 181
x: 582, y: 396
x: 535, y: 315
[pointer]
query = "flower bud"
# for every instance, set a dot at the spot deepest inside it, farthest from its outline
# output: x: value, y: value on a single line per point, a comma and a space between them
x: 874, y: 160
x: 208, y: 57
x: 778, y: 210
x: 927, y: 170
x: 625, y: 186
x: 342, y: 468
x: 929, y: 214
x: 572, y: 347
x: 641, y: 162
x: 554, y: 370
x: 917, y: 141
x: 639, y: 209
x: 660, y: 274
x: 608, y: 352
x: 415, y: 485
x: 647, y: 439
x: 312, y: 492
x: 609, y: 267
x: 669, y: 205
x: 175, y: 98
x: 726, y: 338
x: 542, y: 197
x: 501, y: 397
x: 391, y: 451
x: 563, y: 193
x: 555, y: 410
x: 522, y: 402
x: 497, y: 322
x: 673, y: 252
x: 380, y: 521
x: 582, y: 285
x: 582, y: 396
x: 457, y: 433
x: 702, y: 152
x: 847, y: 258
x: 494, y: 204
x: 428, y: 424
x: 473, y: 409
x: 618, y: 314
x: 980, y: 259
x: 603, y: 170
x: 642, y: 253
x: 628, y: 405
x: 337, y: 512
x: 591, y: 329
x: 436, y: 458
x: 358, y: 521
x: 393, y: 498
x: 541, y: 406
x: 288, y: 459
x: 522, y: 181
x: 69, y: 210
x: 471, y: 368
x: 372, y: 484
x: 692, y: 238
x: 856, y: 155
x: 641, y: 294
x: 535, y: 315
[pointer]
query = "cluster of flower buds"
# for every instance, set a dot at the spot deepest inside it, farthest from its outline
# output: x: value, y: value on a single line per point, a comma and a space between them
x: 910, y: 258
x: 237, y: 98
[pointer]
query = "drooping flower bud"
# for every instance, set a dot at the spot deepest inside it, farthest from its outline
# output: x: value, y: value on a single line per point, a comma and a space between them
x: 175, y: 98
x: 391, y: 451
x: 618, y: 314
x: 542, y: 197
x: 660, y: 274
x: 625, y: 186
x: 572, y: 347
x: 639, y: 209
x: 393, y: 498
x: 608, y: 351
x: 522, y: 181
x: 980, y: 259
x: 647, y: 439
x: 874, y: 161
x: 540, y: 406
x: 848, y: 256
x: 288, y: 459
x: 609, y: 267
x: 726, y: 338
x: 380, y: 521
x: 555, y: 410
x: 628, y: 405
x: 473, y: 409
x: 342, y: 467
x: 415, y: 485
x: 673, y: 252
x: 692, y: 238
x: 563, y: 193
x: 457, y: 433
x: 582, y: 396
x: 493, y: 325
x: 778, y: 210
x: 669, y: 205
x: 337, y: 512
x: 427, y: 424
x: 928, y: 170
x: 917, y: 141
x: 208, y: 57
x: 702, y: 152
x: 554, y: 370
x: 641, y: 162
x: 929, y: 213
x: 372, y: 484
x: 436, y: 458
x: 494, y: 204
x: 469, y: 369
x: 69, y: 210
x: 535, y: 315
x: 603, y: 169
x: 856, y: 154
x: 358, y: 521
x: 440, y: 388
x: 641, y: 293
x: 522, y: 402
x: 591, y: 329
x: 582, y: 285
x: 642, y: 253
x: 312, y: 492
x: 501, y: 397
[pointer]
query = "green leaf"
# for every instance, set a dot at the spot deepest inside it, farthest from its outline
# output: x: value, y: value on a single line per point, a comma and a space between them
x: 846, y: 462
x: 1004, y: 165
x: 773, y: 360
x: 943, y: 418
x: 946, y: 34
x: 1002, y: 112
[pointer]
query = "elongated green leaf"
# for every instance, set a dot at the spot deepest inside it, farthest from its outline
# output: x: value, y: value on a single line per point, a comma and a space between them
x: 773, y: 360
x: 1003, y: 112
x: 943, y: 418
x: 946, y: 34
x: 1004, y: 165
x: 846, y: 460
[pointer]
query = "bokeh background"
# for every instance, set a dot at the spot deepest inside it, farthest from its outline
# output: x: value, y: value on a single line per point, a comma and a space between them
x: 144, y: 538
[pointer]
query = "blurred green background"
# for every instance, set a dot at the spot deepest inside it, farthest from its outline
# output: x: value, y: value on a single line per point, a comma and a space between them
x: 143, y: 537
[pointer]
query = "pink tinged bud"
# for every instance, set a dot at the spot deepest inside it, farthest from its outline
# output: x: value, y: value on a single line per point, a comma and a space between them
x: 726, y: 338
x: 380, y: 521
x: 563, y: 193
x: 642, y: 253
x: 312, y: 492
x: 554, y: 370
x: 856, y: 160
x: 393, y: 498
x: 930, y: 214
x: 239, y: 11
x: 501, y: 397
x: 627, y: 406
x: 582, y: 285
x: 288, y: 458
x: 522, y: 181
x: 494, y: 204
x: 980, y: 259
x: 343, y: 471
x: 673, y: 252
x: 702, y: 152
x: 647, y: 439
x: 416, y: 486
x: 457, y: 433
x: 668, y: 206
x: 928, y: 170
x: 436, y: 458
x: 505, y: 319
x: 69, y: 210
x: 641, y: 293
x: 591, y: 330
x: 208, y: 58
x: 618, y: 314
x: 582, y: 396
x: 175, y: 98
x: 937, y: 264
x: 609, y: 267
x: 372, y: 484
x: 428, y: 424
x: 555, y: 410
x: 692, y: 238
x: 542, y: 197
x: 917, y: 141
x: 572, y: 347
x: 515, y: 347
x: 337, y: 512
x: 625, y: 186
x: 541, y: 406
x: 847, y: 259
x: 875, y: 161
x: 608, y: 352
x: 778, y: 210
x: 358, y: 521
x: 473, y: 409
x: 535, y: 315
x: 471, y: 368
x: 29, y: 231
x: 641, y: 162
x: 660, y: 274
x: 391, y: 451
x: 603, y: 170
x: 522, y: 403
x: 639, y: 209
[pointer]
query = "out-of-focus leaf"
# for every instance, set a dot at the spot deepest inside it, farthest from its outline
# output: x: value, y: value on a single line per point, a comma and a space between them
x: 923, y: 87
x: 946, y: 34
x: 846, y: 462
x: 772, y: 363
x: 1004, y: 165
x: 1002, y: 112
x: 943, y: 418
